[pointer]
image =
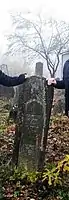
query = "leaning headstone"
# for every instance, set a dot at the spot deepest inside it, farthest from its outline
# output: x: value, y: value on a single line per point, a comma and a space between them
x: 34, y: 108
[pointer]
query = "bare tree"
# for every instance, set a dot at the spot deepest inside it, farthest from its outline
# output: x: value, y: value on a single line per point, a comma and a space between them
x: 39, y: 38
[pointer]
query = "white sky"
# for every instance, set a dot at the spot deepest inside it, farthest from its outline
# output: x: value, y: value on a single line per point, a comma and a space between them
x: 55, y: 8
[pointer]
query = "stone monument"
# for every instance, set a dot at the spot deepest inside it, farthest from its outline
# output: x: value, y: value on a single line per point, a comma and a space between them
x: 34, y: 108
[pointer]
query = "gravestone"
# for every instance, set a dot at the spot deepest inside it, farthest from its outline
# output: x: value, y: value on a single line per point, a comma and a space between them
x: 7, y: 92
x: 34, y: 108
x: 39, y: 69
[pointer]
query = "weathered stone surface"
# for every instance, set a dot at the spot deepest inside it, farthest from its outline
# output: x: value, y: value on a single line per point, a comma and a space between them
x: 39, y: 69
x: 7, y: 92
x: 34, y: 107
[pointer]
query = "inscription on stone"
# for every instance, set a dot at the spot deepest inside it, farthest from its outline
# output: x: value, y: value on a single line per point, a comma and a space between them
x: 34, y: 108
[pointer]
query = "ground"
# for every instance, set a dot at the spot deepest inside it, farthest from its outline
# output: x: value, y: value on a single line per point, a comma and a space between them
x: 57, y: 148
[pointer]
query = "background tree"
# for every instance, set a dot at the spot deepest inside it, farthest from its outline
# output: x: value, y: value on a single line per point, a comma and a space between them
x: 39, y: 38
